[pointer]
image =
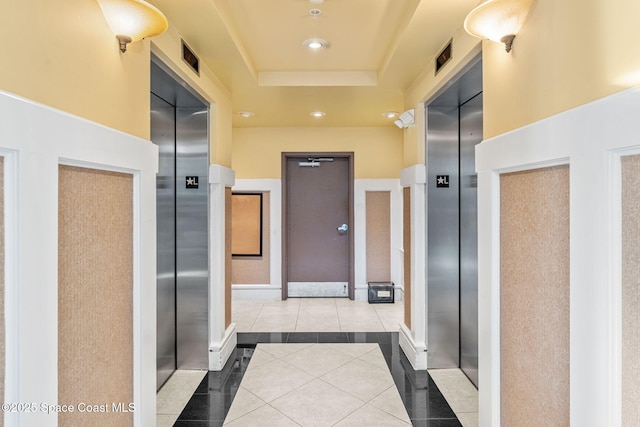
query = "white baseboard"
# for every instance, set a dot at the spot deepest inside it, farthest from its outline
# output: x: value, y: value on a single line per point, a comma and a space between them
x: 416, y: 353
x: 361, y: 294
x: 255, y: 293
x: 219, y: 354
x: 270, y: 293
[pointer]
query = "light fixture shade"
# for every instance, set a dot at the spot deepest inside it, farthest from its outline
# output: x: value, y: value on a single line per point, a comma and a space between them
x: 135, y: 19
x: 495, y: 19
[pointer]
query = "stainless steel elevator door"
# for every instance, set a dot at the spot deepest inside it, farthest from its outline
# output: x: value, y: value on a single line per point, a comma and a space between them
x: 442, y: 238
x: 192, y: 238
x: 454, y: 127
x: 179, y: 126
x: 470, y: 135
x: 163, y: 135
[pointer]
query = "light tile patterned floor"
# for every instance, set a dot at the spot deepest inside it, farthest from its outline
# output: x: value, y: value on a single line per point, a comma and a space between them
x: 460, y: 393
x: 316, y: 315
x: 175, y: 394
x: 317, y: 385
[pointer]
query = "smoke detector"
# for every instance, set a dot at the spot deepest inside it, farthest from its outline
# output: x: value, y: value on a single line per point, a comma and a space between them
x: 315, y: 13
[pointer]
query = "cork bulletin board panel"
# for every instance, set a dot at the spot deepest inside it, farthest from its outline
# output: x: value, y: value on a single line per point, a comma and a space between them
x: 256, y: 270
x: 406, y: 194
x: 95, y: 294
x: 630, y: 291
x: 246, y: 224
x: 534, y: 297
x: 227, y: 256
x: 378, y: 234
x: 2, y: 326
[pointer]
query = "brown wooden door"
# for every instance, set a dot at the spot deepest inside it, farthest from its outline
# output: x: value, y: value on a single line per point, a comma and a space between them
x: 318, y: 243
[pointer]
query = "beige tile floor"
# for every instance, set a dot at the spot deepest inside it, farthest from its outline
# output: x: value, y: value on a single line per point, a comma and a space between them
x: 317, y: 385
x: 460, y: 394
x: 316, y: 315
x: 174, y: 396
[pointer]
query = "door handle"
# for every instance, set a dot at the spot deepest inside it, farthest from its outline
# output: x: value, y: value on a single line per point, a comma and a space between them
x: 343, y: 227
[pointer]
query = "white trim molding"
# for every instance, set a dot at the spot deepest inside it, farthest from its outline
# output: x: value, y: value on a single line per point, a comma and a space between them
x: 35, y: 140
x: 220, y: 353
x: 590, y: 139
x: 220, y: 178
x: 416, y: 353
x: 361, y: 187
x: 415, y: 178
x: 273, y: 289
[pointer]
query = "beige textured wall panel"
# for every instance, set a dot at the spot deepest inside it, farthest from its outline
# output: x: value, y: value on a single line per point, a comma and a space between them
x: 534, y: 297
x: 406, y: 233
x: 256, y: 270
x: 227, y: 258
x: 630, y: 291
x: 2, y: 326
x: 378, y: 236
x: 95, y: 294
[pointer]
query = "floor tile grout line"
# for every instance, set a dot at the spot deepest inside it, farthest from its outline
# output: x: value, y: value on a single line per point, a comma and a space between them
x: 246, y: 413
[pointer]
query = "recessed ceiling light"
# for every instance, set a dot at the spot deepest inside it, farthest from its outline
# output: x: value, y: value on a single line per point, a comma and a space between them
x: 246, y: 114
x: 316, y: 44
x: 390, y: 114
x: 315, y: 13
x: 318, y: 114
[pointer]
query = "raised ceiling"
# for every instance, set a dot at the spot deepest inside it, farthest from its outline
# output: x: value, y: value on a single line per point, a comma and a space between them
x: 377, y: 48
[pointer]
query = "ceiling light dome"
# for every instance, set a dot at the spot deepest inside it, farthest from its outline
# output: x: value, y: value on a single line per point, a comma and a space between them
x: 316, y: 44
x: 318, y: 114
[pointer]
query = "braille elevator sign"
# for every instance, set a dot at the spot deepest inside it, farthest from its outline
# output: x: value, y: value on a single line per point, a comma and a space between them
x: 442, y: 181
x: 192, y: 182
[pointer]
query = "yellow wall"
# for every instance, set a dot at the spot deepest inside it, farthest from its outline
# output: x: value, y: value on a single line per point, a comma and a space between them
x: 568, y: 53
x: 257, y: 151
x: 63, y: 54
x: 464, y: 49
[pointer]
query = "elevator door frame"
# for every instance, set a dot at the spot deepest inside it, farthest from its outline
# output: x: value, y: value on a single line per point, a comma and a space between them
x: 444, y: 277
x: 191, y: 266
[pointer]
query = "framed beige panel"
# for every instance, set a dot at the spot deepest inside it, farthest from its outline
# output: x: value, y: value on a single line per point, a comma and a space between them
x: 256, y: 270
x: 534, y: 297
x: 406, y: 194
x: 246, y: 224
x: 95, y: 296
x: 228, y: 234
x: 630, y: 291
x: 3, y: 345
x: 378, y: 219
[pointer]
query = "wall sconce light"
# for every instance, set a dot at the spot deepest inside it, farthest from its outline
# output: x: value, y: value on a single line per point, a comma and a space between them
x: 405, y: 119
x: 133, y: 20
x: 498, y: 20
